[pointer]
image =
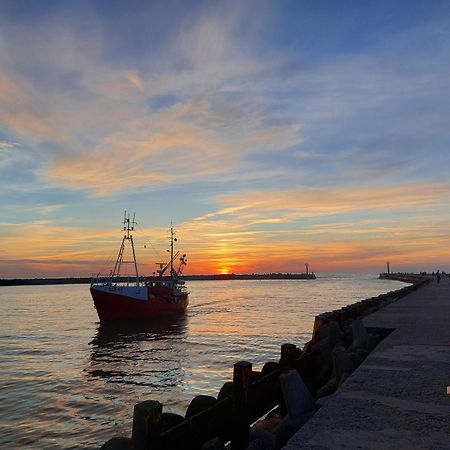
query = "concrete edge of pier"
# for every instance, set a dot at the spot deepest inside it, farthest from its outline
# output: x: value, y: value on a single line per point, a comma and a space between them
x: 398, y: 397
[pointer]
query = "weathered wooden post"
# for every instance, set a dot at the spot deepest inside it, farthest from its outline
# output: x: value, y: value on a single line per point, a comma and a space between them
x: 241, y: 399
x: 146, y: 427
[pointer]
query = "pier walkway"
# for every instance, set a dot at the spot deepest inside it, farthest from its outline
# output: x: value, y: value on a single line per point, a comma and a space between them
x: 399, y: 398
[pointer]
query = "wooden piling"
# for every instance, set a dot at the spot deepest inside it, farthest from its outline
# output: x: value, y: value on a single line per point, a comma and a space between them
x: 241, y: 399
x: 146, y: 425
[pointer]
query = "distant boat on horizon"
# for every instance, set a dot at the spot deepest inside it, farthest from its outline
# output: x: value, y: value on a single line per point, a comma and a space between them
x: 121, y: 298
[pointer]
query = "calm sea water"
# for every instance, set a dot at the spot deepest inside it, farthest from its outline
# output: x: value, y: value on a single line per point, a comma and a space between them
x: 67, y: 382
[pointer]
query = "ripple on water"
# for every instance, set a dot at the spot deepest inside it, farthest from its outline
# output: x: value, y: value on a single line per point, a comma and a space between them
x: 67, y: 382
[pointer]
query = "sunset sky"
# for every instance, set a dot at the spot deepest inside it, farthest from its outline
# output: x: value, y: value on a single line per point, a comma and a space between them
x: 272, y: 134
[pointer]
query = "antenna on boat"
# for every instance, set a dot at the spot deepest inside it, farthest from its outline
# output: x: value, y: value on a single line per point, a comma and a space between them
x: 183, y: 262
x: 171, y: 247
x: 173, y: 256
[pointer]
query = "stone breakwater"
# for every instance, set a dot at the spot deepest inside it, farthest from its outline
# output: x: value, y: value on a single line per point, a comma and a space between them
x: 217, y: 277
x: 399, y: 397
x: 406, y: 277
x: 284, y: 395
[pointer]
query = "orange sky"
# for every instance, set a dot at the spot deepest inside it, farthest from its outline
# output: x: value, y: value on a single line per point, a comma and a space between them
x: 279, y: 231
x: 271, y: 136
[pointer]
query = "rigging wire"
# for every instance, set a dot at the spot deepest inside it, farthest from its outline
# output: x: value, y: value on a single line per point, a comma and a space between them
x: 106, y: 264
x: 147, y: 241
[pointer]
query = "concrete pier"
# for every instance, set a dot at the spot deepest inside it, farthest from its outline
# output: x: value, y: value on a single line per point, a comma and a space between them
x: 399, y: 397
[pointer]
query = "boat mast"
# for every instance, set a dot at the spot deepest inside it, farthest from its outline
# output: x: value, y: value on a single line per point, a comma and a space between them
x: 171, y: 248
x: 169, y: 265
x: 128, y: 226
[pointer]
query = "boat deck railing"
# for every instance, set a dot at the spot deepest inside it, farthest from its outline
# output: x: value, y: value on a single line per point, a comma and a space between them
x: 107, y: 280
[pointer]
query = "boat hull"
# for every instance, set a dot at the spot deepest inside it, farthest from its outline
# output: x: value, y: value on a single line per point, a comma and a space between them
x: 114, y: 305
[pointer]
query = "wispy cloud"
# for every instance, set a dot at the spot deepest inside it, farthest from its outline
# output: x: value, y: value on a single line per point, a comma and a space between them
x: 48, y: 209
x: 134, y: 79
x: 326, y: 149
x: 342, y: 227
x: 315, y: 202
x: 104, y: 120
x: 229, y: 103
x: 7, y: 144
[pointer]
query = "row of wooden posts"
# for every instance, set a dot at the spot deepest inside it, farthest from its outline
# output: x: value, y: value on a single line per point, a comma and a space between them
x: 251, y: 394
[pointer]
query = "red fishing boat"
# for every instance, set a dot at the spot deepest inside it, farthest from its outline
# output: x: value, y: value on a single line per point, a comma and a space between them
x: 119, y: 297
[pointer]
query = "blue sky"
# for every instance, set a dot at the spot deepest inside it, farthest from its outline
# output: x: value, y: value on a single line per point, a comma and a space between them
x: 271, y: 133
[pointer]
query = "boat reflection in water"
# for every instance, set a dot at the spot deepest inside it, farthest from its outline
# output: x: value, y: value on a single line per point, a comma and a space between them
x: 146, y: 353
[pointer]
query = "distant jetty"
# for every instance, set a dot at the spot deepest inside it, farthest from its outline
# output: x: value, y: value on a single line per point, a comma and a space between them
x: 220, y: 277
x: 405, y: 277
x: 252, y: 276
